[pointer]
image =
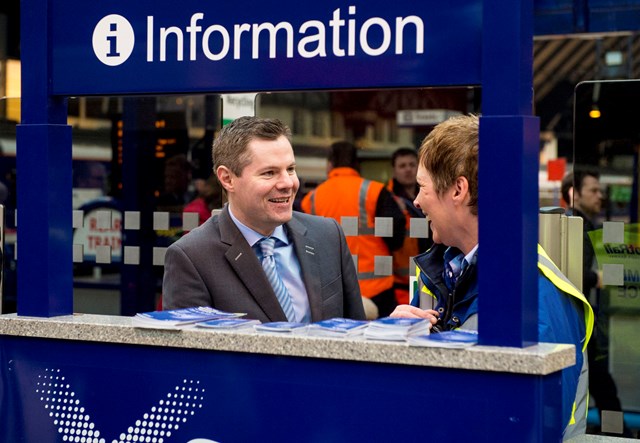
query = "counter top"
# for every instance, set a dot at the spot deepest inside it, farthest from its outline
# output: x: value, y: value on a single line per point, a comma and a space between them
x: 541, y: 359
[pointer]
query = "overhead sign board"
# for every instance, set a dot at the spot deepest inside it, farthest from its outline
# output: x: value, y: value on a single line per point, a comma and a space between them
x: 121, y: 47
x: 423, y: 117
x: 237, y: 105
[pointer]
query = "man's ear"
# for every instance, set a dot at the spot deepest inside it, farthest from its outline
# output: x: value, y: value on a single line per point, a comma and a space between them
x: 571, y: 197
x: 461, y: 189
x: 225, y: 176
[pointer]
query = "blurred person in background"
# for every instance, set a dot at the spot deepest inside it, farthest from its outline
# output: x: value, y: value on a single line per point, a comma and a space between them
x: 403, y: 185
x: 582, y: 192
x: 177, y: 181
x: 209, y: 198
x: 346, y: 194
x: 90, y: 175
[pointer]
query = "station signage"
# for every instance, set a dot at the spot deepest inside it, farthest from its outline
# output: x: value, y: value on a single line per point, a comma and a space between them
x: 94, y: 235
x: 133, y: 47
x: 423, y: 117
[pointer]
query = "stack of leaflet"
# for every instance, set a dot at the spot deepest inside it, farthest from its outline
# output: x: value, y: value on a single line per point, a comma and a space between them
x: 229, y: 324
x: 456, y: 339
x: 282, y: 327
x: 396, y: 329
x: 179, y: 318
x: 338, y: 327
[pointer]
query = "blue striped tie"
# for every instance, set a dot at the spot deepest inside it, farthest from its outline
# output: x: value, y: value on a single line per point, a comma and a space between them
x: 269, y: 266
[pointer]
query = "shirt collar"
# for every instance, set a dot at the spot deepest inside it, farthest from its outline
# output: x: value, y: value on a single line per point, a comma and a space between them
x: 253, y: 237
x: 471, y: 253
x: 453, y: 258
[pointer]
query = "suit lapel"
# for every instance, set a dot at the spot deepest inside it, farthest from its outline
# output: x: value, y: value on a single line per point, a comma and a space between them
x: 244, y: 262
x: 306, y: 250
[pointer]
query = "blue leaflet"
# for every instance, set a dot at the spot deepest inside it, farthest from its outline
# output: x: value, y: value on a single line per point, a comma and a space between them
x: 227, y: 323
x: 338, y: 327
x: 448, y: 339
x: 176, y: 318
x: 280, y: 327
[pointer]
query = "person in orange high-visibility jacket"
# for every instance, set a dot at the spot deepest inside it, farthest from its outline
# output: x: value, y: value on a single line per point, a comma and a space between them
x: 404, y: 187
x: 346, y: 194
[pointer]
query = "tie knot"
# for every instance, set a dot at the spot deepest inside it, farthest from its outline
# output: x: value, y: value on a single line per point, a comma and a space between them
x: 267, y: 244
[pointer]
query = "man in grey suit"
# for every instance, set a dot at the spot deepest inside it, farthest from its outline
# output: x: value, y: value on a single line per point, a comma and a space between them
x: 219, y: 263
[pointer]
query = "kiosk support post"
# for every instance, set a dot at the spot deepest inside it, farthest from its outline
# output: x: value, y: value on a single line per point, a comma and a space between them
x: 138, y: 283
x: 508, y: 143
x: 44, y: 182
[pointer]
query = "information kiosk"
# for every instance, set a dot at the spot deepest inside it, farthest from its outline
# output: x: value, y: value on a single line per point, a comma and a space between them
x: 92, y: 378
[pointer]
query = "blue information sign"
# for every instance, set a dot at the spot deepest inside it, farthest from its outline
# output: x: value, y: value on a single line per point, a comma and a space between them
x: 124, y: 47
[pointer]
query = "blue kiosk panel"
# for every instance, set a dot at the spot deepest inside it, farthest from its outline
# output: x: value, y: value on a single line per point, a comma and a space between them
x: 120, y: 391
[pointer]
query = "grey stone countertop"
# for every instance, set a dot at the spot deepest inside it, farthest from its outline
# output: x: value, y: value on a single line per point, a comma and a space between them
x: 540, y: 359
x: 587, y: 438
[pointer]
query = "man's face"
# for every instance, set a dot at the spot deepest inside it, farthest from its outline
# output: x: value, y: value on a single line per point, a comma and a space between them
x: 405, y: 169
x: 589, y: 199
x: 439, y: 209
x: 262, y: 197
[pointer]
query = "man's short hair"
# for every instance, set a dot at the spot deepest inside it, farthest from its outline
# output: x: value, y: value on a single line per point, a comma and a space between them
x: 403, y: 152
x: 451, y: 151
x: 343, y: 154
x: 575, y: 179
x: 230, y: 148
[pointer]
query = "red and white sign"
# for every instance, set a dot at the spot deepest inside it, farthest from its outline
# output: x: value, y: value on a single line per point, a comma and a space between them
x: 101, y: 227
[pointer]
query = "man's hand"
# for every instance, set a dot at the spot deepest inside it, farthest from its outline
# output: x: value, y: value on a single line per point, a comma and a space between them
x: 408, y: 311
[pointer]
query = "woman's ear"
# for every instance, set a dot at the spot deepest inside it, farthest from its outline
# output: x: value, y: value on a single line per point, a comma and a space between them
x: 461, y: 189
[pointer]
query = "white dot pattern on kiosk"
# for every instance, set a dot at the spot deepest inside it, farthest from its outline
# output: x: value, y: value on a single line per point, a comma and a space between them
x: 163, y: 420
x: 167, y: 416
x: 65, y: 409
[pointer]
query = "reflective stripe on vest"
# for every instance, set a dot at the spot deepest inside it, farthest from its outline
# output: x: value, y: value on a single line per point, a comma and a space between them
x: 429, y: 299
x: 551, y: 271
x: 346, y: 194
x: 581, y: 402
x: 364, y: 228
x: 312, y: 199
x: 367, y: 275
x: 363, y: 220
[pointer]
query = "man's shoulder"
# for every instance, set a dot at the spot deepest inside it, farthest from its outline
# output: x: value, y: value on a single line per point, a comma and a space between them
x: 206, y: 232
x: 315, y: 228
x: 313, y: 221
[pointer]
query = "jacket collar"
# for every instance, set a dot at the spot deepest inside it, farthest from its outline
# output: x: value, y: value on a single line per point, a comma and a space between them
x: 343, y: 171
x: 431, y: 265
x: 244, y: 260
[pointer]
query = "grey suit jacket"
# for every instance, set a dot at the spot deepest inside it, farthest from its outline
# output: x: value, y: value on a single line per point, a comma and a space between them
x: 213, y: 265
